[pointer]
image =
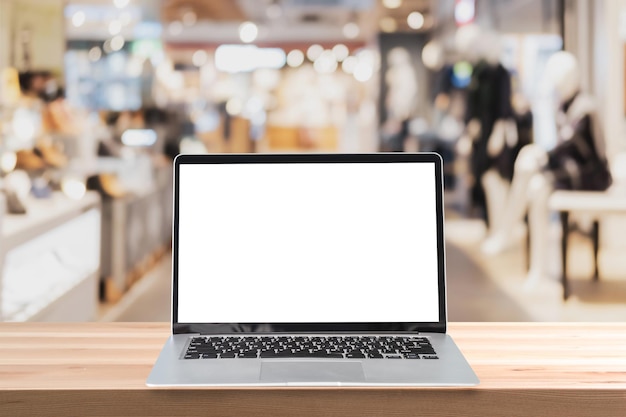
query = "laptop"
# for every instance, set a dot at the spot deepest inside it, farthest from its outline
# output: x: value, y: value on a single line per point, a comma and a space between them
x: 309, y: 270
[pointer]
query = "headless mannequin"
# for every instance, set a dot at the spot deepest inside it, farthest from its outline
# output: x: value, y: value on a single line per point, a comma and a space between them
x: 577, y: 163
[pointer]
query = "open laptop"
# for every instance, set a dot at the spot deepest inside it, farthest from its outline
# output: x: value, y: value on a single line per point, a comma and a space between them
x: 309, y: 270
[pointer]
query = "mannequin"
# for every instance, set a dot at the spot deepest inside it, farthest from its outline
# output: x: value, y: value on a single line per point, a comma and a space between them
x: 578, y: 162
x: 400, y: 102
x: 507, y: 140
x: 489, y: 112
x: 401, y: 82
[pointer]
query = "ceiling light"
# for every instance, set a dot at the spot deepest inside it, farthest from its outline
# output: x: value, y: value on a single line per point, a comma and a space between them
x: 370, y: 57
x: 314, y: 52
x: 94, y: 54
x: 351, y: 30
x: 349, y: 64
x: 189, y: 18
x: 295, y: 58
x: 433, y: 56
x: 120, y: 4
x: 78, y: 19
x: 117, y: 43
x: 248, y: 32
x: 246, y: 58
x: 392, y: 4
x: 199, y: 58
x: 388, y: 24
x: 363, y: 72
x: 341, y: 52
x: 115, y: 27
x: 415, y: 20
x: 325, y: 63
x: 175, y: 28
x: 106, y: 46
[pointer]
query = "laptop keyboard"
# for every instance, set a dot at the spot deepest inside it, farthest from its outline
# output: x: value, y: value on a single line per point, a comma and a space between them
x: 344, y: 347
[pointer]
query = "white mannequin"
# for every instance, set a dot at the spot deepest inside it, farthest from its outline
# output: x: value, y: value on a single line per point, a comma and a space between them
x: 400, y: 101
x: 531, y: 187
x: 402, y: 85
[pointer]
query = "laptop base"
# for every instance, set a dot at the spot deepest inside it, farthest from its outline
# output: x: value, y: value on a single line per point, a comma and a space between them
x: 451, y: 369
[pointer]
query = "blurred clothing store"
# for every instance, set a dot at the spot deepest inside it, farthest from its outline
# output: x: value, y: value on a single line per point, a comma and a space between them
x: 523, y: 99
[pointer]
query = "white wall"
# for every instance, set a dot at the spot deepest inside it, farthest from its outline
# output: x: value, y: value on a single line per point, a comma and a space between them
x: 45, y: 21
x: 607, y: 85
x: 6, y: 11
x: 608, y: 71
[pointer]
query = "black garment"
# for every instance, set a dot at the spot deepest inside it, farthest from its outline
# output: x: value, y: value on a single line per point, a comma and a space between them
x: 505, y: 161
x: 488, y: 100
x: 578, y: 162
x: 396, y: 141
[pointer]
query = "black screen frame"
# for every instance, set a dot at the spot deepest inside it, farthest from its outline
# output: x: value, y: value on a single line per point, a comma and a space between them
x: 396, y: 327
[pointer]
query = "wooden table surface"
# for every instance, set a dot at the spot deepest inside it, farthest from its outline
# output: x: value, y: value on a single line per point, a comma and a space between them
x: 526, y: 369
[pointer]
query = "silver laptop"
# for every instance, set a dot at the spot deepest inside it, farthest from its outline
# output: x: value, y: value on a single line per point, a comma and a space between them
x: 309, y: 270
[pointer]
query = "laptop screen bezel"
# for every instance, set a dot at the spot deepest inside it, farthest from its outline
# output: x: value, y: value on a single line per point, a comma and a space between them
x: 396, y: 327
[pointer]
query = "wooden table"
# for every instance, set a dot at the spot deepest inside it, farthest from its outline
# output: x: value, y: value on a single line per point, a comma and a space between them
x: 526, y: 369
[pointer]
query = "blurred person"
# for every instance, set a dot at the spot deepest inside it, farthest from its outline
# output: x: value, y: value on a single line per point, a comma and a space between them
x: 31, y: 108
x: 58, y: 117
x: 578, y: 162
x: 448, y: 110
x: 33, y: 84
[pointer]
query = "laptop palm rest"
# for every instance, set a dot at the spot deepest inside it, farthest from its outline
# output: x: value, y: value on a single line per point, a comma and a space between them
x: 311, y: 371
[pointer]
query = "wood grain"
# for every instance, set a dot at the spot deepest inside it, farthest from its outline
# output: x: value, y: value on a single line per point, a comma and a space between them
x: 526, y: 369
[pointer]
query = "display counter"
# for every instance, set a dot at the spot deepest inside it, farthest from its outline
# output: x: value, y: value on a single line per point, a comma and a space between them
x: 49, y: 260
x: 525, y: 369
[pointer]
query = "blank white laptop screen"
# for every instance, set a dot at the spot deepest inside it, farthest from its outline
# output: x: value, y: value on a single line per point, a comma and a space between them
x: 307, y: 243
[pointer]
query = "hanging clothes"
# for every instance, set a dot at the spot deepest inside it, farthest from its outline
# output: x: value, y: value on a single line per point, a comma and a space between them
x: 579, y: 162
x: 505, y: 161
x: 488, y: 100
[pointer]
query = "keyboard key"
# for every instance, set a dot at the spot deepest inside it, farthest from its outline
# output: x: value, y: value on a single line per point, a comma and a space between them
x: 325, y: 355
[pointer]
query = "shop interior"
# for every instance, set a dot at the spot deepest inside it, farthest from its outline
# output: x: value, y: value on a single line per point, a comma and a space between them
x: 523, y: 100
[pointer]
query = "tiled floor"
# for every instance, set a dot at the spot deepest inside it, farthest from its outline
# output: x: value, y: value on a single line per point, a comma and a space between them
x: 480, y: 288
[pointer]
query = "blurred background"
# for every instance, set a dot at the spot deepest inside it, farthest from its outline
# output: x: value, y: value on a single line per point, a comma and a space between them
x: 523, y: 99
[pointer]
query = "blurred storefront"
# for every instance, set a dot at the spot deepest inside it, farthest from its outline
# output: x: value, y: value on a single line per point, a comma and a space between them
x: 98, y: 96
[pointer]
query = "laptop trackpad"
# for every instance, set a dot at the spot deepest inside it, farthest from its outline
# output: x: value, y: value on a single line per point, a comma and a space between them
x: 311, y: 371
